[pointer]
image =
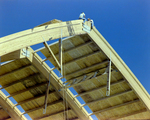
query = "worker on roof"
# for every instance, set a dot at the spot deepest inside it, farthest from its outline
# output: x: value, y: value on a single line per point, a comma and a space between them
x: 82, y: 16
x: 92, y: 22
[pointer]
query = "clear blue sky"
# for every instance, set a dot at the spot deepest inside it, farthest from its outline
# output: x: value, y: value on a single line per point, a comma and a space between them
x: 124, y: 23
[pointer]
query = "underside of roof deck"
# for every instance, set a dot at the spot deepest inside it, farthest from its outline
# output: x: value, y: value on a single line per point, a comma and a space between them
x: 86, y: 59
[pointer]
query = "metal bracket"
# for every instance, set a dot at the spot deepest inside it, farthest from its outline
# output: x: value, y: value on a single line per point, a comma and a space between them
x: 25, y: 52
x: 86, y: 28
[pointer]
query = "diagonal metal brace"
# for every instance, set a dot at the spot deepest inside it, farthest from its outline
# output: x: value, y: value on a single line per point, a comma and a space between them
x: 46, y: 95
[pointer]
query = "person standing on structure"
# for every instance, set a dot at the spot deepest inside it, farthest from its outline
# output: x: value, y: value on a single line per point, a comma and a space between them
x: 82, y: 16
x: 92, y: 22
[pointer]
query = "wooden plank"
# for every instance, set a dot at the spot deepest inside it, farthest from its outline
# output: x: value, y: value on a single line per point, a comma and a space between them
x: 121, y: 66
x: 8, y: 106
x: 27, y: 89
x: 15, y: 70
x: 84, y: 93
x: 133, y: 113
x: 76, y: 47
x: 120, y: 105
x: 37, y: 108
x: 56, y: 82
x: 33, y: 98
x: 118, y: 94
x: 82, y: 57
x: 62, y: 111
x: 33, y: 36
x: 84, y: 69
x: 17, y: 81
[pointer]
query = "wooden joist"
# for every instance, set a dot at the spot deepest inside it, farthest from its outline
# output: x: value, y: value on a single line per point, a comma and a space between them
x: 33, y: 98
x: 84, y: 93
x: 132, y: 113
x: 49, y: 104
x: 82, y: 57
x: 27, y: 89
x: 113, y: 107
x: 15, y: 70
x: 59, y: 112
x: 87, y: 68
x: 104, y: 98
x: 76, y: 47
x: 17, y: 81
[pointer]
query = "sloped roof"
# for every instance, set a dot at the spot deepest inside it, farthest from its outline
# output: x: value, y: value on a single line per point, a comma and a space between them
x: 86, y: 58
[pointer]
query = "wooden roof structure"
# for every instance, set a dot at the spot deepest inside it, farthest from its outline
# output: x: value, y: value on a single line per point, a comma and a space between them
x: 89, y: 65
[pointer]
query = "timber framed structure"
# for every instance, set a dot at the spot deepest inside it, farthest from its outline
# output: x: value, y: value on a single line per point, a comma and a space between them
x: 84, y: 59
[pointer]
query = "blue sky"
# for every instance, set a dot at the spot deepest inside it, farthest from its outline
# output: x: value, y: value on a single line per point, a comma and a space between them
x: 124, y: 23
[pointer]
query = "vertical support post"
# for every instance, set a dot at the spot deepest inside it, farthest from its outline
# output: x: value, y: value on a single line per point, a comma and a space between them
x: 46, y: 95
x: 0, y: 61
x: 60, y: 54
x: 108, y: 78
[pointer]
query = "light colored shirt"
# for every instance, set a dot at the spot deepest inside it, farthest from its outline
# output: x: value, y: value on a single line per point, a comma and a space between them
x: 92, y: 23
x: 82, y: 16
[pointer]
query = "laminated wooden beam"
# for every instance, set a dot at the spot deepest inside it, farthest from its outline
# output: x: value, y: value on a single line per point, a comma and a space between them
x: 15, y: 70
x: 116, y: 106
x: 8, y: 106
x: 37, y: 108
x: 33, y: 36
x: 17, y: 81
x: 84, y: 93
x: 104, y: 98
x: 121, y: 66
x: 27, y: 89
